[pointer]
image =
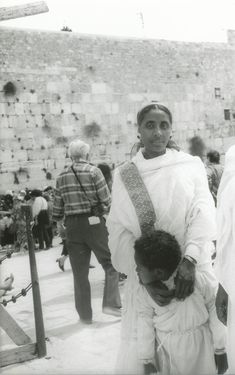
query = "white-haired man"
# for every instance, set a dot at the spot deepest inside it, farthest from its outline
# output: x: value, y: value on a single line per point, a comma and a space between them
x: 82, y: 197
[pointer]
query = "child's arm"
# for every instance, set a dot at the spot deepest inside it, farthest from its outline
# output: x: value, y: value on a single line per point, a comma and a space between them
x: 145, y: 331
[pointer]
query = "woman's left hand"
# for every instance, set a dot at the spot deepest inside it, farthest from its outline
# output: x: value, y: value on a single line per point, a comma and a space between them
x: 185, y: 279
x: 221, y: 304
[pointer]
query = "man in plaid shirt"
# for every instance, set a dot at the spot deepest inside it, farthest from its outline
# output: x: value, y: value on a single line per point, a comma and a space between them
x: 81, y: 199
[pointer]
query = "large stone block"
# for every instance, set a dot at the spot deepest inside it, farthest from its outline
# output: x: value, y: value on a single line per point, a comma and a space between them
x: 57, y: 152
x: 21, y: 155
x: 108, y: 108
x: 55, y: 108
x: 7, y: 183
x: 33, y: 98
x: 52, y: 86
x: 35, y: 108
x: 6, y: 133
x: 5, y: 156
x: 76, y: 108
x: 115, y: 108
x: 139, y: 97
x: 99, y: 88
x: 67, y: 131
x: 10, y: 108
x: 66, y: 108
x: 92, y: 117
x: 4, y: 122
x: 86, y: 98
x: 3, y: 108
x: 19, y: 108
x: 228, y: 142
x: 97, y: 98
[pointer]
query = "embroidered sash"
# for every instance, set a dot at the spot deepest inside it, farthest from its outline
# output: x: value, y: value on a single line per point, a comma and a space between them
x: 139, y: 196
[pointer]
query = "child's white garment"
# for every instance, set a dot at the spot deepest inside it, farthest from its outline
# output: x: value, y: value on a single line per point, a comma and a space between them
x: 184, y: 335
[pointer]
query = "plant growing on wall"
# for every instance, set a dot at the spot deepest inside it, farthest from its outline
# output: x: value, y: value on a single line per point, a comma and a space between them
x: 61, y: 140
x: 66, y: 28
x: 20, y: 172
x: 46, y: 127
x: 92, y: 130
x: 9, y: 89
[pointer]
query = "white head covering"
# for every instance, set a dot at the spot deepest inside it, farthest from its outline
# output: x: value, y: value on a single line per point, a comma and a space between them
x: 225, y: 259
x: 9, y: 192
x: 229, y: 169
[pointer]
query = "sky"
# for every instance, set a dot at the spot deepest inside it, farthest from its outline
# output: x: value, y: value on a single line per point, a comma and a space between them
x: 183, y: 20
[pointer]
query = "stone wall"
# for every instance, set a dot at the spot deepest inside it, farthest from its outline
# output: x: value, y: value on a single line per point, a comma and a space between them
x: 66, y: 81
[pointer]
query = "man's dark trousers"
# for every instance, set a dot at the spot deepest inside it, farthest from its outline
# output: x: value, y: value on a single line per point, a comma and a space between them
x: 43, y: 221
x: 82, y: 238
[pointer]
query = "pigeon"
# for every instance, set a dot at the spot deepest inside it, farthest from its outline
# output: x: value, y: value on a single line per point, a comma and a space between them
x: 6, y: 285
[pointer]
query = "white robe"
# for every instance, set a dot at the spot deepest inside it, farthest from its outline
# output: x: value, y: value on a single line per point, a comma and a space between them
x: 178, y: 187
x: 188, y: 332
x: 225, y: 258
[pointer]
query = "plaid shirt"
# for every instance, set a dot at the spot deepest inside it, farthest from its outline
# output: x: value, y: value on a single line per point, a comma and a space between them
x: 70, y: 199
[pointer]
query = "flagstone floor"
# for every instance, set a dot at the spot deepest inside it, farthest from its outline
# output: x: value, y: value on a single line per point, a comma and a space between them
x: 73, y: 348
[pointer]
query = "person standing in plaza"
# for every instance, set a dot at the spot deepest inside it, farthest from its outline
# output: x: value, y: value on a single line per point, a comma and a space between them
x: 82, y: 197
x: 214, y: 172
x: 197, y: 147
x: 225, y: 257
x: 48, y: 195
x: 41, y: 218
x: 168, y: 190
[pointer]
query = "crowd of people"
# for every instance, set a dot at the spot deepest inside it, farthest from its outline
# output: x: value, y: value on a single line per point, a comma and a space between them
x: 12, y: 222
x: 154, y: 222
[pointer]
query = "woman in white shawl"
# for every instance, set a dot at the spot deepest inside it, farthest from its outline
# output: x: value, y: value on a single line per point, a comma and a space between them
x: 225, y: 258
x: 177, y: 186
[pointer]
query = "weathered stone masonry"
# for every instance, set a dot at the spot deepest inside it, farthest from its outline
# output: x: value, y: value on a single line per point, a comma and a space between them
x: 65, y: 81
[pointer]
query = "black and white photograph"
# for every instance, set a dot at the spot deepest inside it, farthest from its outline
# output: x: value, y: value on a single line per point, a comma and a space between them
x: 117, y: 187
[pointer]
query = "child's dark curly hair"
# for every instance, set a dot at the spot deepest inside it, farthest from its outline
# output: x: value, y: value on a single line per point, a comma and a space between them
x: 158, y: 249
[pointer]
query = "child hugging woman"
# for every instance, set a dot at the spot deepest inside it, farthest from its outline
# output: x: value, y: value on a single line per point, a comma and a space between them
x: 182, y: 337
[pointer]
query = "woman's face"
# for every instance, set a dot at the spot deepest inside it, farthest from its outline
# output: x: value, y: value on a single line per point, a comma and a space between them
x: 155, y: 131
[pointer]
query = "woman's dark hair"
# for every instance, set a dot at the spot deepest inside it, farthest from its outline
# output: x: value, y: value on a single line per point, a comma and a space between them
x: 48, y: 188
x: 158, y: 249
x: 213, y: 156
x: 148, y: 108
x: 8, y: 202
x: 159, y: 107
x: 36, y: 193
x: 106, y: 170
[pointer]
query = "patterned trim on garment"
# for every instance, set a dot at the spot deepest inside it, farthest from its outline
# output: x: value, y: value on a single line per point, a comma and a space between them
x: 139, y: 196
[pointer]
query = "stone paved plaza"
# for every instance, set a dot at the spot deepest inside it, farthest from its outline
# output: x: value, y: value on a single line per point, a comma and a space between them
x: 72, y: 348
